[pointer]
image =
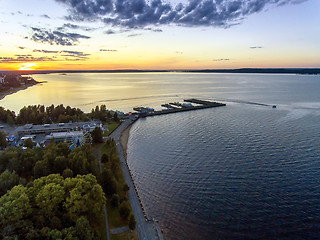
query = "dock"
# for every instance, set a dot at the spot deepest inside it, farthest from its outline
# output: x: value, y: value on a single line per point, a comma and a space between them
x: 178, y: 107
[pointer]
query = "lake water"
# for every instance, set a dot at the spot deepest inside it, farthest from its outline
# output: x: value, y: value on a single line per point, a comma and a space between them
x: 242, y: 171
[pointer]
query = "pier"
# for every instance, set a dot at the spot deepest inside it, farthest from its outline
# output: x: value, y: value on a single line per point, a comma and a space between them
x: 178, y: 107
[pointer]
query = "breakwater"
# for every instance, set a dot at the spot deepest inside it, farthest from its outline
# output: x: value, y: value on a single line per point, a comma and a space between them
x: 178, y: 107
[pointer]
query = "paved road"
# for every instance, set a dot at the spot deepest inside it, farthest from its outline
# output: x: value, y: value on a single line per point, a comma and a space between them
x: 146, y: 229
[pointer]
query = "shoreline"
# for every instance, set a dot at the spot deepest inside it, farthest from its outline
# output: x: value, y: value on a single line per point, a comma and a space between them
x: 303, y: 71
x: 124, y: 138
x: 15, y: 90
x: 147, y: 228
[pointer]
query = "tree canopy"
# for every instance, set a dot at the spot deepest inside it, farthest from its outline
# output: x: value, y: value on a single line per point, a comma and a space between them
x: 70, y: 205
x: 96, y: 135
x: 3, y: 140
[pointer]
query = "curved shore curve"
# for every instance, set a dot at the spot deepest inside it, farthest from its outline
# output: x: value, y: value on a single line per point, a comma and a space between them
x: 147, y: 228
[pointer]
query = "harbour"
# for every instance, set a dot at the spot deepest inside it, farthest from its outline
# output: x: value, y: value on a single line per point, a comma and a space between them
x: 178, y: 107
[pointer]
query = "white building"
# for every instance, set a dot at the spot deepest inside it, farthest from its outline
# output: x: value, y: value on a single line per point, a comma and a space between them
x: 76, y: 138
x: 2, y: 79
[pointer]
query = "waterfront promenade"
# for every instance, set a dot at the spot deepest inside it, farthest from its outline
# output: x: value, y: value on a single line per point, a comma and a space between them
x: 147, y: 229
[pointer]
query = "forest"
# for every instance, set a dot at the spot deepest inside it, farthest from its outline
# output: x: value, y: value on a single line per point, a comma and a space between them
x: 58, y: 193
x: 39, y: 114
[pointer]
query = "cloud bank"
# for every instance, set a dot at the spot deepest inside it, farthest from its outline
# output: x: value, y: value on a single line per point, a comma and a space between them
x: 63, y: 55
x: 56, y: 37
x: 24, y: 58
x: 221, y: 59
x: 141, y: 13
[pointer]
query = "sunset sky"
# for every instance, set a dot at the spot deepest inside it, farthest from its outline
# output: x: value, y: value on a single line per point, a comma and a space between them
x: 158, y: 34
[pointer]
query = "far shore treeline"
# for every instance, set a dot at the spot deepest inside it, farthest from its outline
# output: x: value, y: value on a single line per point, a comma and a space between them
x: 39, y: 114
x: 238, y: 70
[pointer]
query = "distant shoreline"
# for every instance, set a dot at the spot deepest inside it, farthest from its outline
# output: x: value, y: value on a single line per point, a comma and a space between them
x: 304, y: 71
x: 15, y: 90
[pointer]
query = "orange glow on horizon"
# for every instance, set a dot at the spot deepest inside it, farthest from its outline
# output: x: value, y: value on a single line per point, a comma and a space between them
x: 27, y: 66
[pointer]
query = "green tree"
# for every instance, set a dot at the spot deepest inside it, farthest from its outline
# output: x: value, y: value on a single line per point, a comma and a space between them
x: 69, y: 233
x: 38, y: 184
x: 67, y: 173
x: 54, y: 234
x: 49, y: 197
x: 124, y: 210
x: 10, y: 120
x: 41, y: 169
x: 28, y: 143
x: 60, y: 163
x: 115, y: 117
x: 108, y: 182
x: 115, y: 165
x: 104, y: 158
x: 15, y: 205
x: 77, y: 162
x: 132, y: 222
x: 27, y: 160
x: 9, y: 159
x: 83, y: 229
x: 115, y: 200
x: 84, y: 196
x: 125, y: 187
x: 63, y: 149
x: 55, y: 223
x: 7, y: 181
x: 3, y: 140
x: 96, y: 135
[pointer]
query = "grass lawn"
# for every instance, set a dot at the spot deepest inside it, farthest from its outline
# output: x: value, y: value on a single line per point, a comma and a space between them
x: 114, y: 218
x: 125, y: 236
x: 112, y: 126
x: 102, y: 227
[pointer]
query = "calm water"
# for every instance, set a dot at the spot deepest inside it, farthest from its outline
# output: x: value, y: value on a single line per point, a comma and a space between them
x: 237, y: 172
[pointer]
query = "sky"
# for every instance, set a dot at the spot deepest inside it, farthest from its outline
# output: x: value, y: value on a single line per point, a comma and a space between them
x: 158, y: 34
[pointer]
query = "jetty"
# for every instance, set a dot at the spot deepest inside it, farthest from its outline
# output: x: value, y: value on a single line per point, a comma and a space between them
x: 178, y: 107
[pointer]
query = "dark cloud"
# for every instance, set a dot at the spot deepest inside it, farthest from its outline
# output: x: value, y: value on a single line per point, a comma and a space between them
x: 21, y: 47
x: 56, y: 37
x: 109, y: 32
x: 221, y: 59
x: 24, y: 58
x: 44, y: 51
x: 108, y: 50
x: 45, y: 16
x: 23, y: 55
x: 75, y: 27
x: 63, y: 55
x: 74, y: 54
x: 142, y: 13
x: 134, y: 34
x: 153, y: 29
x: 255, y: 47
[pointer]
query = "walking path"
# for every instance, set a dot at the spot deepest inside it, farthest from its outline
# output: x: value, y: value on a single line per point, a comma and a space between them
x: 98, y: 156
x: 147, y: 230
x: 120, y: 230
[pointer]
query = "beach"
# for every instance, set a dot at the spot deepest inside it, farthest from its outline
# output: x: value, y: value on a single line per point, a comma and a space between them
x: 124, y: 140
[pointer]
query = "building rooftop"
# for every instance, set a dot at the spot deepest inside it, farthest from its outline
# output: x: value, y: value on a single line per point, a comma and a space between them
x: 55, y: 127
